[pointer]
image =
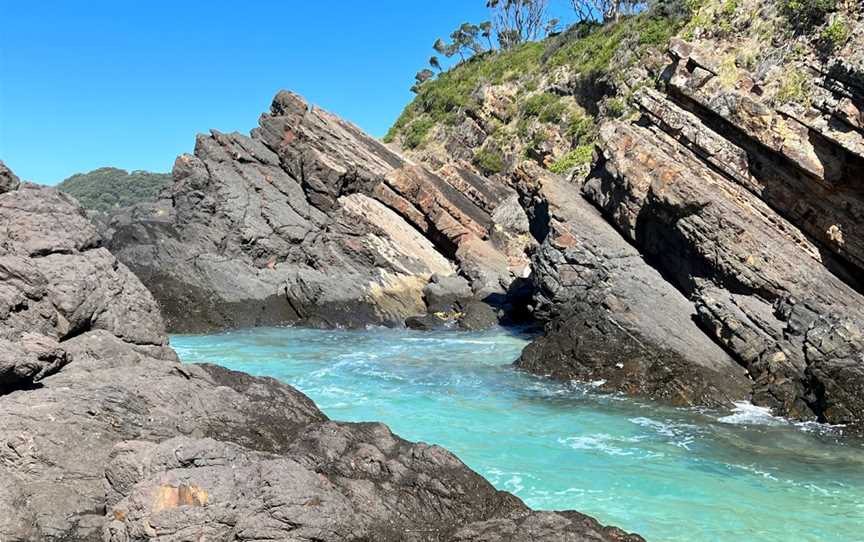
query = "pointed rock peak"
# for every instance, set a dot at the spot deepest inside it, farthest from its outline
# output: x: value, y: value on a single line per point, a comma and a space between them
x: 8, y: 180
x: 287, y: 103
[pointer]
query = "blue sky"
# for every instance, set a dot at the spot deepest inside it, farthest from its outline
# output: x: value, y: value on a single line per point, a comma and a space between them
x: 85, y: 84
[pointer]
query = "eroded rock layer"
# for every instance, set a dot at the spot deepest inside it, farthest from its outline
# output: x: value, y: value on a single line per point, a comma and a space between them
x: 105, y: 436
x: 310, y: 220
x: 754, y: 215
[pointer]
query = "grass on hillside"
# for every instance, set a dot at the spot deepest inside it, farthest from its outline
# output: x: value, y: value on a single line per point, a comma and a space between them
x: 587, y: 49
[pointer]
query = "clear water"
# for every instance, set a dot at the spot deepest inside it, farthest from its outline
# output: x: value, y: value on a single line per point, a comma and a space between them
x: 668, y: 474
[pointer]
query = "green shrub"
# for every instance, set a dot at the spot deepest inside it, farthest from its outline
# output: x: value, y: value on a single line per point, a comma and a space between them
x: 727, y: 15
x: 489, y: 161
x: 794, y: 88
x: 615, y: 108
x: 581, y: 155
x: 656, y: 32
x: 546, y: 107
x: 416, y: 133
x: 835, y: 35
x: 581, y: 129
x: 803, y: 15
x: 108, y: 188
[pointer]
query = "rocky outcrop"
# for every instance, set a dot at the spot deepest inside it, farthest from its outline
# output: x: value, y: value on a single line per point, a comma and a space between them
x: 105, y: 436
x: 747, y: 210
x: 8, y: 180
x: 613, y: 319
x: 309, y: 220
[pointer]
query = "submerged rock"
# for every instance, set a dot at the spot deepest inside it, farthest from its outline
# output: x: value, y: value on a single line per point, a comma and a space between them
x: 104, y: 435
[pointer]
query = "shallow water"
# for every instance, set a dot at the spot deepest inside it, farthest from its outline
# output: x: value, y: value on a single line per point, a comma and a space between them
x: 668, y: 474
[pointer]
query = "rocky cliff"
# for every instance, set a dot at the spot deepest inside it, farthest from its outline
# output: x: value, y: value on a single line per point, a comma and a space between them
x: 705, y: 248
x: 685, y: 209
x: 105, y: 436
x: 309, y: 220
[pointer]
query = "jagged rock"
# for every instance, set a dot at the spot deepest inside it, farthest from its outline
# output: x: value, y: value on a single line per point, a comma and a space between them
x: 761, y: 287
x: 29, y: 360
x: 309, y: 220
x: 612, y: 318
x: 803, y: 161
x: 8, y: 180
x: 104, y: 435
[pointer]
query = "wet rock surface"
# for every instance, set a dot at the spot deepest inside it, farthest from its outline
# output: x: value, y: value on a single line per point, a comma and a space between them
x: 105, y: 436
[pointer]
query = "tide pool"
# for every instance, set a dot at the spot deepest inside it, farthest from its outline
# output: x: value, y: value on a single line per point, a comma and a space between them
x: 668, y: 474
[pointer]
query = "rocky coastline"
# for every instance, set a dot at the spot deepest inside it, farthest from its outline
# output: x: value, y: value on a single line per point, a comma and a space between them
x: 710, y: 252
x: 106, y: 436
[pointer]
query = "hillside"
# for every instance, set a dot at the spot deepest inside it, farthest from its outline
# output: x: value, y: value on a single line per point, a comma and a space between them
x: 722, y: 141
x: 543, y: 101
x: 109, y: 188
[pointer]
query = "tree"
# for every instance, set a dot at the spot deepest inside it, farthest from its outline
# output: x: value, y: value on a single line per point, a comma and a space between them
x: 433, y: 61
x: 605, y: 10
x: 462, y: 40
x: 486, y: 32
x: 424, y: 75
x: 443, y: 48
x: 518, y: 21
x: 421, y: 77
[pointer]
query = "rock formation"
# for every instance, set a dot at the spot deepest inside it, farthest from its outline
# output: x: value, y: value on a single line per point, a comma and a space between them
x: 712, y: 249
x: 747, y: 211
x: 309, y: 220
x: 105, y: 436
x: 613, y: 319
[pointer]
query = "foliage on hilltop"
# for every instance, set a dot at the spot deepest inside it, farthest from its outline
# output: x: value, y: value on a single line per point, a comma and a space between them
x: 108, y: 188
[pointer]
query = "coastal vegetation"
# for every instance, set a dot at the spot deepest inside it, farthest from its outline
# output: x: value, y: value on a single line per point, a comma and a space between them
x: 109, y: 188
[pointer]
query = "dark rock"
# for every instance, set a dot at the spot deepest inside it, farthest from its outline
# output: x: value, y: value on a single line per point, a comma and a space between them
x: 612, y: 319
x: 309, y: 220
x: 761, y: 286
x: 8, y: 180
x: 431, y: 322
x: 477, y: 315
x: 105, y: 435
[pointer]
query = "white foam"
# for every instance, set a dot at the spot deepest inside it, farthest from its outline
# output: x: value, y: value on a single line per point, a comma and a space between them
x: 745, y: 413
x: 600, y: 442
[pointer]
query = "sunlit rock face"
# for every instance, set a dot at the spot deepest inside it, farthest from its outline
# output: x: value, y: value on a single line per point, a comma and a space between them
x: 106, y: 436
x: 310, y: 220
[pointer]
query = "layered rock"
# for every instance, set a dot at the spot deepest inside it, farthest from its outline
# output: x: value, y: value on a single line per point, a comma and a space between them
x: 612, y: 318
x: 105, y: 436
x: 746, y: 210
x: 309, y: 220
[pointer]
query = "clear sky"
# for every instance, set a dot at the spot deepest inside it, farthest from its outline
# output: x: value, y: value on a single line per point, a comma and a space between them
x: 128, y: 83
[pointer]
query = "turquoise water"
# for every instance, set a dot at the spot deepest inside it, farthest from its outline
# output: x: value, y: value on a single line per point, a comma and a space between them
x: 668, y: 474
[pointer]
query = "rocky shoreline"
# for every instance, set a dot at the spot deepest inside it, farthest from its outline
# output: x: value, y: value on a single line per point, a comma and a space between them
x: 663, y: 272
x: 106, y: 436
